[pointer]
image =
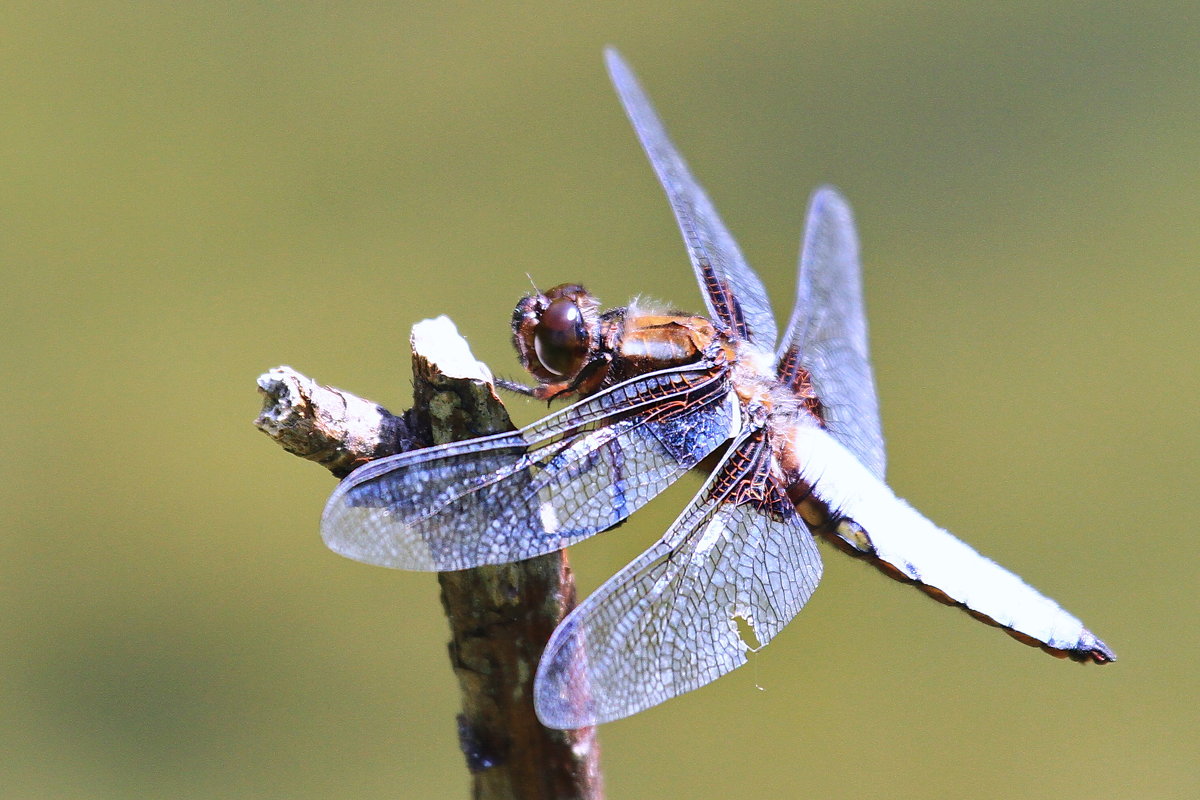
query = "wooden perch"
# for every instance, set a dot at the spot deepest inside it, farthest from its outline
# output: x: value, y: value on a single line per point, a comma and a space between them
x: 500, y: 616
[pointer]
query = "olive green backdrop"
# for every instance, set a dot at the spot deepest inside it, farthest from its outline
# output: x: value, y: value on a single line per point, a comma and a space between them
x: 193, y: 193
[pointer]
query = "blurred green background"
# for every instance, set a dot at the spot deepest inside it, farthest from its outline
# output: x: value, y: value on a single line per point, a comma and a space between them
x: 193, y: 193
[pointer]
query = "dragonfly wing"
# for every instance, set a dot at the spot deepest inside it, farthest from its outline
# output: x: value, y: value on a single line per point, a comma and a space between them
x: 921, y: 552
x: 669, y: 621
x: 515, y: 495
x: 734, y: 294
x: 826, y: 339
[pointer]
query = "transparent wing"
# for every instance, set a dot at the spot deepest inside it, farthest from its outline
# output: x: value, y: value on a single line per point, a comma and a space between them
x: 734, y: 294
x: 516, y: 495
x: 826, y: 339
x: 669, y: 621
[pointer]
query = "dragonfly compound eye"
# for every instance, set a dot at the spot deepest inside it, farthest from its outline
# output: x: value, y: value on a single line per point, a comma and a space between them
x: 561, y: 339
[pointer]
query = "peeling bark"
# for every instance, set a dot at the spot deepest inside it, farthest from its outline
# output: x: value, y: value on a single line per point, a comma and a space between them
x: 500, y: 616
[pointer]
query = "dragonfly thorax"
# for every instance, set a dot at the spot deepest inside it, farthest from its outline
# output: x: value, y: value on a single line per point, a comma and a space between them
x: 569, y: 347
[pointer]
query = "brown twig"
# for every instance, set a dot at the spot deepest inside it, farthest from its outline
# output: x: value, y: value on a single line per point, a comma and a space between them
x: 500, y: 616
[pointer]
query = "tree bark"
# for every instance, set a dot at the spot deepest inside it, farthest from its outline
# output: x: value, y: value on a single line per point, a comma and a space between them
x: 500, y: 616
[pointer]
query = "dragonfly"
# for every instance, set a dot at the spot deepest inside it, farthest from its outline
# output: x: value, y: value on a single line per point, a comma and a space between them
x: 791, y: 430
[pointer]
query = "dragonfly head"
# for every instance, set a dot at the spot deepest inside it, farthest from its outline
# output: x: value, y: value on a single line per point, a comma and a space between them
x: 557, y: 332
